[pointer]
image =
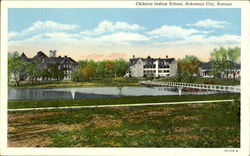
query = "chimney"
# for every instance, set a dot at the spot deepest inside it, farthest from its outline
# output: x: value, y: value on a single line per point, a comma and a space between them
x: 65, y: 56
x: 52, y: 53
x: 166, y: 56
x: 133, y: 56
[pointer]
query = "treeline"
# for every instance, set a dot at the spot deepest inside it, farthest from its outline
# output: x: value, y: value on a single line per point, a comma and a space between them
x: 224, y: 61
x: 90, y: 69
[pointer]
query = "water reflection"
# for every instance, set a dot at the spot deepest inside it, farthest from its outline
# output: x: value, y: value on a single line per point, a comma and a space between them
x: 83, y: 93
x: 92, y: 93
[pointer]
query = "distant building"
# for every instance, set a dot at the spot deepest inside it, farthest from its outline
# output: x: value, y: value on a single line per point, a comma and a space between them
x: 66, y: 64
x: 206, y: 70
x: 233, y: 73
x: 151, y: 67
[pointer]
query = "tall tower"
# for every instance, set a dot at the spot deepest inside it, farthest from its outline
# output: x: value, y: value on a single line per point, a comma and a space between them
x: 52, y: 53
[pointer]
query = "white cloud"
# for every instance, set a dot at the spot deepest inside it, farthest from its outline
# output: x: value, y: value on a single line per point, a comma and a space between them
x: 122, y: 36
x: 209, y: 23
x: 109, y: 27
x: 40, y: 27
x: 13, y: 35
x: 223, y: 40
x: 172, y: 32
x: 50, y: 25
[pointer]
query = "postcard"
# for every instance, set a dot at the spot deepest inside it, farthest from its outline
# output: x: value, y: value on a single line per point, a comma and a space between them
x: 125, y: 78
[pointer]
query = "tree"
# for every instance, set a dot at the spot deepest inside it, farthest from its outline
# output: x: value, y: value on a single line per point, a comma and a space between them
x: 17, y: 68
x: 108, y: 67
x: 188, y: 68
x: 55, y: 73
x: 75, y: 75
x: 224, y: 61
x: 100, y: 73
x: 234, y: 55
x: 33, y: 71
x: 87, y: 72
x: 120, y: 66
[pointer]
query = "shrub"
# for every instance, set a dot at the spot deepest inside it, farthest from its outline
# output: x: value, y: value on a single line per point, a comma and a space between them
x: 209, y: 82
x: 234, y: 107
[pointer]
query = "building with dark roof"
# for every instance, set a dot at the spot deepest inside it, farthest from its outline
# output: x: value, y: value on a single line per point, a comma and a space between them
x: 206, y: 70
x: 151, y: 67
x: 66, y: 64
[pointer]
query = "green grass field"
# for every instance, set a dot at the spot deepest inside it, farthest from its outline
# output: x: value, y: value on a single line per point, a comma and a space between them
x: 191, y: 125
x: 109, y: 82
x: 90, y: 83
x: 217, y: 81
x: 118, y: 100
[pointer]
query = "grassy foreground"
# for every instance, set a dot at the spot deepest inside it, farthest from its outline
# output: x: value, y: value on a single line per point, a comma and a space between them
x: 192, y: 125
x: 120, y: 100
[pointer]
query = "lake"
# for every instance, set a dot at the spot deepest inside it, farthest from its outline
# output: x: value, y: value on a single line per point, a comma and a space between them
x: 86, y: 93
x: 93, y: 93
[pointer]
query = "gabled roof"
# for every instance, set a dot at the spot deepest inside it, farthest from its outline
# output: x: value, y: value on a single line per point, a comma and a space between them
x: 24, y: 57
x: 133, y: 61
x: 206, y: 65
x: 54, y: 60
x: 60, y: 59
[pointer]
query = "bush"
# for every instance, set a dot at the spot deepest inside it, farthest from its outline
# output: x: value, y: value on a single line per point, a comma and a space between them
x: 209, y: 82
x: 185, y: 77
x: 234, y: 107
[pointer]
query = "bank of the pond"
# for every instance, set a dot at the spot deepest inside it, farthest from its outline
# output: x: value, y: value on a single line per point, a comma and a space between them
x: 118, y: 100
x: 119, y: 82
x: 213, y: 81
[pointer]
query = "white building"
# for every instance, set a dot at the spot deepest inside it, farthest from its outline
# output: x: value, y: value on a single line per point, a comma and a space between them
x: 206, y: 70
x: 151, y: 67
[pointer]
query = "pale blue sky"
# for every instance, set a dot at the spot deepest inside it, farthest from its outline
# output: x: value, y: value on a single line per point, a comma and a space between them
x: 111, y: 33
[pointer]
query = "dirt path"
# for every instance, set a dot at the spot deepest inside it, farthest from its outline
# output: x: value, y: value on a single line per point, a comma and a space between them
x: 120, y: 105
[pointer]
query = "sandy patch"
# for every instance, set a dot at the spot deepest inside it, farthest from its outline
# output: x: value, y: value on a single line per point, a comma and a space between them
x: 181, y: 137
x: 27, y: 115
x: 185, y: 117
x: 105, y: 122
x: 182, y: 130
x: 34, y: 135
x: 113, y: 134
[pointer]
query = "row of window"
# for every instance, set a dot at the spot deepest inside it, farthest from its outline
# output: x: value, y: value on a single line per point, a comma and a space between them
x: 154, y: 66
x: 153, y: 71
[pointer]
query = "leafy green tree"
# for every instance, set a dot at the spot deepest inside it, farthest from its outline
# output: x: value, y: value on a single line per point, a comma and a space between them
x: 33, y: 71
x: 87, y: 72
x: 90, y: 69
x: 234, y: 55
x: 75, y: 75
x: 17, y: 68
x: 224, y: 60
x: 108, y: 68
x: 188, y: 68
x: 55, y: 73
x: 44, y: 74
x: 119, y: 67
x: 100, y: 73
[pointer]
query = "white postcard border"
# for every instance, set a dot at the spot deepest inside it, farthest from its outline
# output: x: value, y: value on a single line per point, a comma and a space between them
x: 245, y: 85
